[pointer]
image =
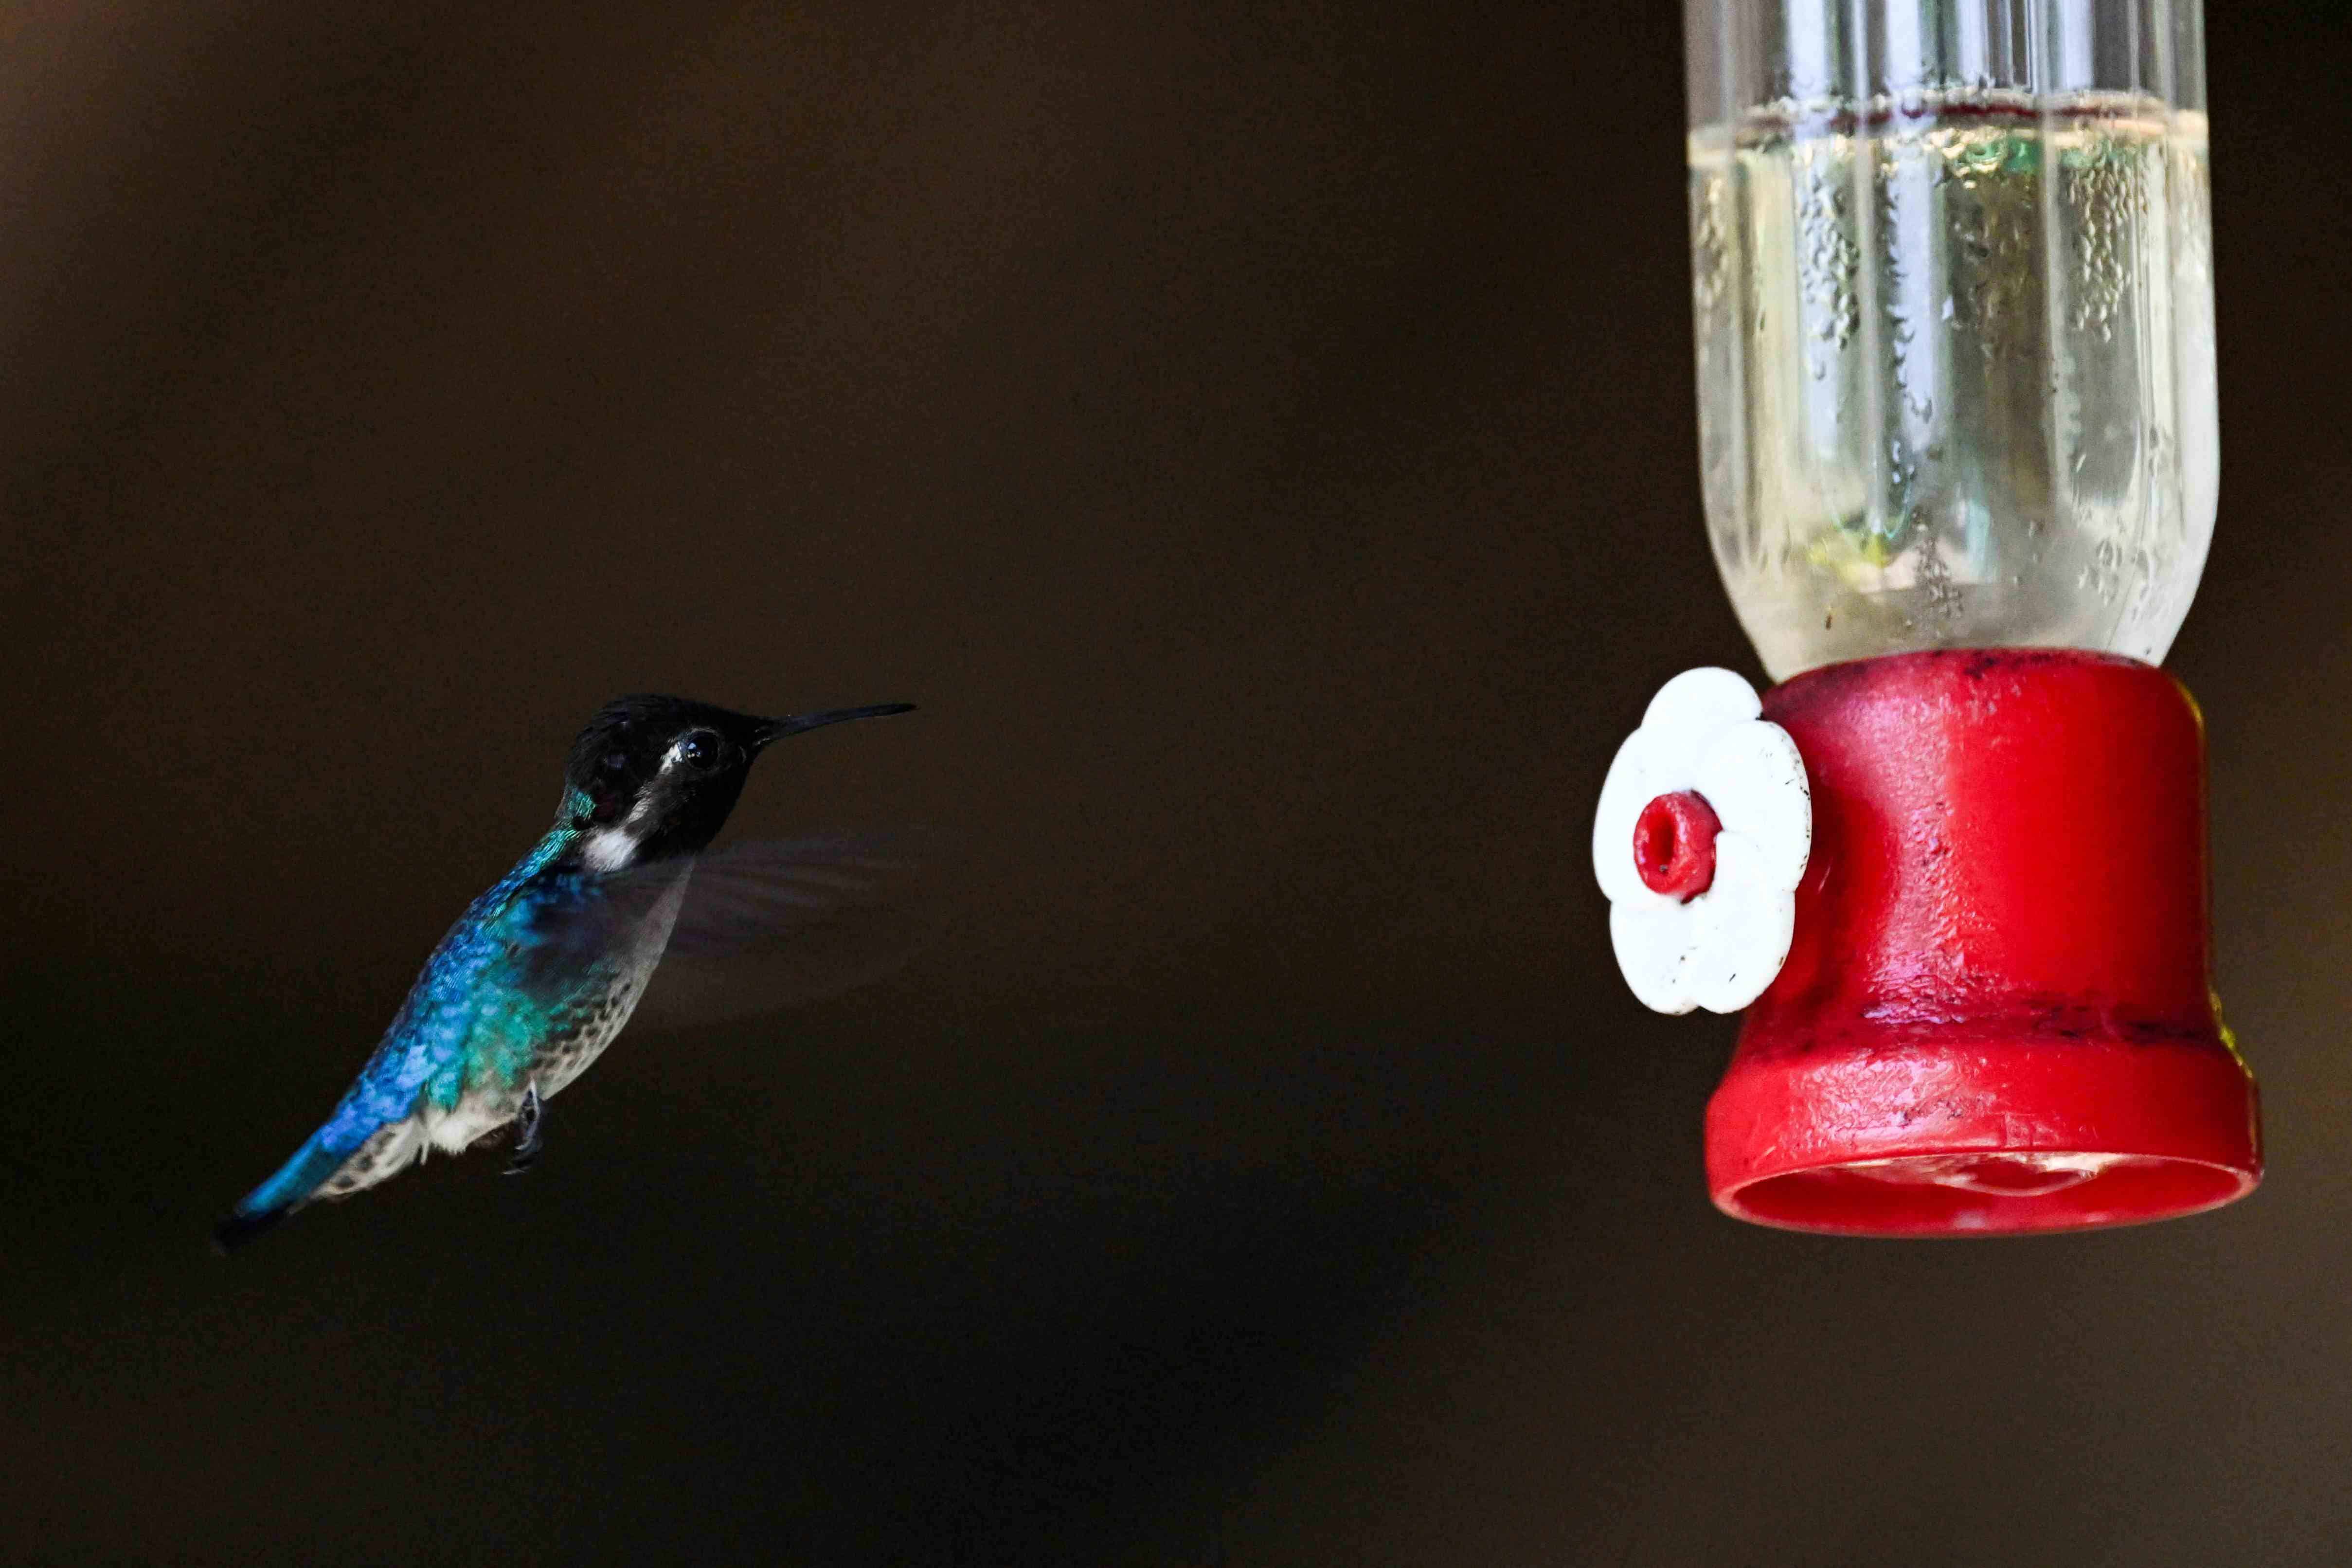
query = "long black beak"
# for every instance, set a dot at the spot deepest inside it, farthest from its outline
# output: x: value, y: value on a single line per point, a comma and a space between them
x: 777, y: 728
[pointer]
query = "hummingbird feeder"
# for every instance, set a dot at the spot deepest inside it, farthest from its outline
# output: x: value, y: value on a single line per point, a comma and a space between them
x: 1953, y: 300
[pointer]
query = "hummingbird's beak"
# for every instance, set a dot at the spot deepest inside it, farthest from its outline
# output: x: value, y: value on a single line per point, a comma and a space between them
x: 777, y: 728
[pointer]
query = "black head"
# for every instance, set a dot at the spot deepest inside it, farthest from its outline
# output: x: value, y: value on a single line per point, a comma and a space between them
x: 656, y: 777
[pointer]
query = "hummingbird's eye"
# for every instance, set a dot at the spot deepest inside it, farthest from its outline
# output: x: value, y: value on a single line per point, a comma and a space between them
x: 700, y: 749
x: 616, y: 761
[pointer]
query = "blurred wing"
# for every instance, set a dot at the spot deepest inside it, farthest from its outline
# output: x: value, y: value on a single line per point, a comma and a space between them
x: 771, y: 923
x: 749, y: 893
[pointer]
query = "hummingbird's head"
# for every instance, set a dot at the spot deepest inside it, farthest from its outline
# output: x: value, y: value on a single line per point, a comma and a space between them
x: 652, y: 777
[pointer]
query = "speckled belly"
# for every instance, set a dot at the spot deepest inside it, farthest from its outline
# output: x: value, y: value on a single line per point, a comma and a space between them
x: 580, y: 1036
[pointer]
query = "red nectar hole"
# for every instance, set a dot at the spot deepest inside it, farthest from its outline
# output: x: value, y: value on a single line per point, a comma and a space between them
x: 1673, y: 844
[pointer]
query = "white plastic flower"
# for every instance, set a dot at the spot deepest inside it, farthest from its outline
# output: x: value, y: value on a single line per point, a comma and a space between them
x: 1702, y: 914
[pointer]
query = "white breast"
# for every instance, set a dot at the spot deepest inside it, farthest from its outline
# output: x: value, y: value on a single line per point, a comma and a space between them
x: 608, y: 849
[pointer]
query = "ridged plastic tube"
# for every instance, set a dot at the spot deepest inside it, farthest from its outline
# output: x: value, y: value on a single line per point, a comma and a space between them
x: 1952, y: 287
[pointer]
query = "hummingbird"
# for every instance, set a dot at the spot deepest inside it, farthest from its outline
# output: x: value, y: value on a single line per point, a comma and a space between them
x: 543, y: 970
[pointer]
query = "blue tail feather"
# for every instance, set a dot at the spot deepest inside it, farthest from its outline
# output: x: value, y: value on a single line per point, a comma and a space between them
x: 282, y: 1194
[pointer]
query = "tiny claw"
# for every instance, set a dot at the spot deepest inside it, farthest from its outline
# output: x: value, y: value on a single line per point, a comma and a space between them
x: 528, y: 1141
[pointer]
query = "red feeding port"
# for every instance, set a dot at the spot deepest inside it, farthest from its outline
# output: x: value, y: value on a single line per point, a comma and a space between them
x: 1996, y: 1016
x: 1673, y: 844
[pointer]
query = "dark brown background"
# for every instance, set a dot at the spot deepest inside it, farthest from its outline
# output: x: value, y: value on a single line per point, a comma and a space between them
x: 1260, y: 437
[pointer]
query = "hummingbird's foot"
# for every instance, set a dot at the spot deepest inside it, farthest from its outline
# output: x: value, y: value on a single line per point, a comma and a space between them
x: 528, y: 1121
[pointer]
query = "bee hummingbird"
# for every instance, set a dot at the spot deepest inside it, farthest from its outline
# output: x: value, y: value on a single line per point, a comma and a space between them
x: 542, y: 971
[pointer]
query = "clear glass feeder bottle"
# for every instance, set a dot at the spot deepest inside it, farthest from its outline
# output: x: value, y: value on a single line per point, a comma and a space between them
x: 1952, y: 288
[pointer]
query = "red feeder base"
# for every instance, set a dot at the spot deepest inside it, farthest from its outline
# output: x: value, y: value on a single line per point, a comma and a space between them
x: 1996, y: 1016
